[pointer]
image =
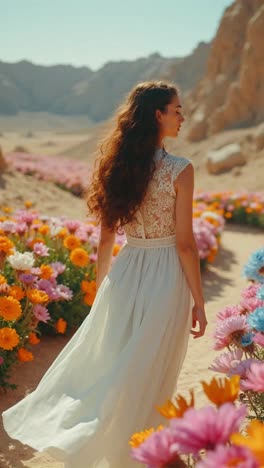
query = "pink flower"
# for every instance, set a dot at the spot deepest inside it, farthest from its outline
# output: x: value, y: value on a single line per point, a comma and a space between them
x: 41, y: 313
x: 93, y: 258
x: 64, y: 292
x: 258, y: 338
x: 226, y: 361
x: 41, y: 249
x: 251, y: 303
x: 157, y: 450
x: 223, y: 334
x: 58, y: 268
x: 242, y: 368
x: 254, y: 378
x: 250, y: 291
x: 228, y: 311
x: 1, y: 360
x: 72, y: 225
x: 224, y: 456
x: 206, y: 427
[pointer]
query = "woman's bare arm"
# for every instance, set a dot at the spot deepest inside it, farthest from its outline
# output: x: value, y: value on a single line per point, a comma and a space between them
x: 104, y: 253
x: 186, y: 244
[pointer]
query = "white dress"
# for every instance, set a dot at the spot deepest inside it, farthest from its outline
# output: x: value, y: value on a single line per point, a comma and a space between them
x: 126, y: 356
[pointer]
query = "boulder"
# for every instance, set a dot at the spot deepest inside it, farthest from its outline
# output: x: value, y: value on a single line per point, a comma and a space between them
x: 225, y: 158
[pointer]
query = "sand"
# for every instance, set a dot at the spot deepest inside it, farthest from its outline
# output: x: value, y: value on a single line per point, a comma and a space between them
x: 222, y: 285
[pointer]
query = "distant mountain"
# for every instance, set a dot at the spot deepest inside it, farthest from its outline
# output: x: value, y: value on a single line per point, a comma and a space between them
x: 68, y: 90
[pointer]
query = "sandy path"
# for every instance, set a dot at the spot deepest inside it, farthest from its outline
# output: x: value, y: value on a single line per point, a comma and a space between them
x: 222, y: 286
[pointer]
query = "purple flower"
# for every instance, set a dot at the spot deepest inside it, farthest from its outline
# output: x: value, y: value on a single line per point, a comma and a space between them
x: 27, y: 278
x: 41, y: 249
x: 207, y: 427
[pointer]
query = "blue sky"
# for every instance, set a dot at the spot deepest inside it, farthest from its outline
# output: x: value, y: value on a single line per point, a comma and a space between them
x: 93, y: 32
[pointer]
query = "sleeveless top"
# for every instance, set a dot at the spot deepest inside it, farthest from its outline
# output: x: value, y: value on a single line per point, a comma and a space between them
x: 156, y: 216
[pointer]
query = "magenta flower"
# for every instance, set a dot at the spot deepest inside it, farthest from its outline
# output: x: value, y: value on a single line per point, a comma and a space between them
x: 225, y: 329
x: 254, y: 378
x: 224, y: 456
x: 157, y: 450
x: 226, y: 361
x: 41, y: 249
x: 228, y: 311
x: 41, y: 313
x: 258, y: 338
x: 1, y: 360
x: 207, y: 427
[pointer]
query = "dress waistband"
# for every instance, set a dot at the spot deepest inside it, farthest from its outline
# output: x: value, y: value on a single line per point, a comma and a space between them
x: 150, y: 243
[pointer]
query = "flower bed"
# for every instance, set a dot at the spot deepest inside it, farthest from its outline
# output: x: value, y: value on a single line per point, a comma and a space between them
x: 237, y: 207
x: 209, y: 437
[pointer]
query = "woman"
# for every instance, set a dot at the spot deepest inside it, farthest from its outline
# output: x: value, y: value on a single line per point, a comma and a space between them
x: 125, y: 358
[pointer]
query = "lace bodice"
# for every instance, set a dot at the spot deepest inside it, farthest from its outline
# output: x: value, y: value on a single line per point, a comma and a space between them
x: 157, y: 214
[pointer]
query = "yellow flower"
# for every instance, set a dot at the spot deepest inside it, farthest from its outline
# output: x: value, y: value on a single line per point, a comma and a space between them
x: 253, y: 440
x: 61, y: 325
x: 71, y: 242
x: 139, y: 437
x: 170, y: 410
x: 46, y: 271
x: 2, y: 279
x: 24, y: 355
x: 36, y: 296
x: 10, y: 308
x: 79, y: 257
x: 223, y: 390
x: 6, y: 245
x: 9, y: 338
x: 16, y: 292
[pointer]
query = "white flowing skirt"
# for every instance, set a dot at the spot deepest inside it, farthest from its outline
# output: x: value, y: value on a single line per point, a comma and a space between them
x: 123, y: 360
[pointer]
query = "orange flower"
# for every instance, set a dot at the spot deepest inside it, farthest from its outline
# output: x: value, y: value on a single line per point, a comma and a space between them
x: 16, y: 292
x: 2, y: 279
x: 169, y: 410
x: 116, y: 249
x: 46, y: 271
x: 71, y: 242
x: 139, y: 437
x: 6, y: 245
x: 228, y: 215
x: 61, y: 325
x: 45, y: 229
x: 62, y: 233
x: 223, y: 390
x: 28, y: 203
x: 10, y: 308
x: 9, y: 338
x: 7, y: 209
x: 253, y: 440
x: 89, y: 287
x: 33, y: 339
x: 24, y: 355
x: 79, y: 257
x: 36, y: 296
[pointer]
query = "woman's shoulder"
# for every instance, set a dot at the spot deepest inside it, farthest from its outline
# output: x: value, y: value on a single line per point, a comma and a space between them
x: 178, y: 163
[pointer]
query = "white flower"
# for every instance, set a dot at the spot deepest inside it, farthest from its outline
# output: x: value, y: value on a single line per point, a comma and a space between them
x: 55, y: 229
x: 21, y: 261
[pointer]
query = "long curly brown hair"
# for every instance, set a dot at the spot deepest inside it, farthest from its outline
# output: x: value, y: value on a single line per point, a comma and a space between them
x: 124, y: 164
